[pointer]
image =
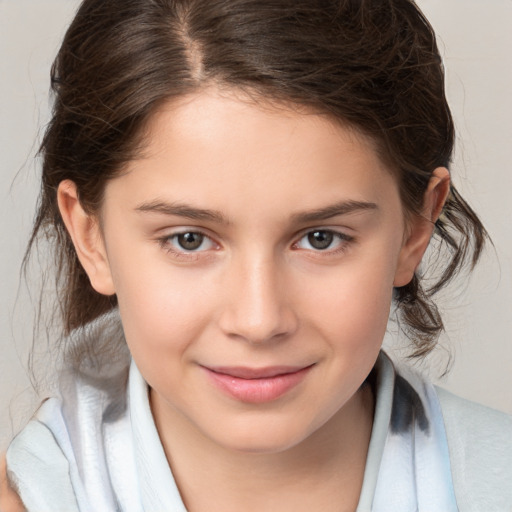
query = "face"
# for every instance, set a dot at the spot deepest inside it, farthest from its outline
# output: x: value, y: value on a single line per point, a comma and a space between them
x: 253, y: 250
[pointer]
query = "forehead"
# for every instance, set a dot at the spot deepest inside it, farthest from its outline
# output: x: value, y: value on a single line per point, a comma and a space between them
x: 227, y: 149
x: 217, y: 115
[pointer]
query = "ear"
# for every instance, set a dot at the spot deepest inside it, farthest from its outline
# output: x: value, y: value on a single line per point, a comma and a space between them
x: 421, y: 227
x: 85, y: 233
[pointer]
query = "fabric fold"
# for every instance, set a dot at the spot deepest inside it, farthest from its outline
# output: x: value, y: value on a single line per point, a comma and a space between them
x: 96, y: 447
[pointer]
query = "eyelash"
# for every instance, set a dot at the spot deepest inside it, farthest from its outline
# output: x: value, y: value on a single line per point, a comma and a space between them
x: 343, y: 241
x: 166, y: 243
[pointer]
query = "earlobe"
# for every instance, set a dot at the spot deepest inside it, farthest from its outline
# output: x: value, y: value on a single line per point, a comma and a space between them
x: 85, y: 233
x: 421, y: 227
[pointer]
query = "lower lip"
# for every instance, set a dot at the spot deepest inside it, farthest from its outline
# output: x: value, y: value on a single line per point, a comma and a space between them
x: 257, y: 391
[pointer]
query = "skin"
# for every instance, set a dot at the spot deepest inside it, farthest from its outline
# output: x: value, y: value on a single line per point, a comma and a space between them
x: 9, y: 500
x: 256, y: 293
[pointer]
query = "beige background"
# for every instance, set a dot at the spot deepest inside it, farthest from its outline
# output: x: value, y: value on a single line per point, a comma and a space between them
x: 475, y: 40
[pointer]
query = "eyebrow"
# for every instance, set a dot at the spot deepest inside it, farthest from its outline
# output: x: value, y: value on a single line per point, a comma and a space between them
x: 334, y: 210
x: 193, y: 213
x: 182, y: 210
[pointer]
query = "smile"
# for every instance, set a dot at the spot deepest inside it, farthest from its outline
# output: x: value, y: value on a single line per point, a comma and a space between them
x: 255, y: 386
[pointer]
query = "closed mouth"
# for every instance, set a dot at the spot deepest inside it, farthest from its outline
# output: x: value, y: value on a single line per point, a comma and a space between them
x: 257, y: 385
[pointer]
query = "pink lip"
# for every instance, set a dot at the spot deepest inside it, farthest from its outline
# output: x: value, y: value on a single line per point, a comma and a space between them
x: 256, y: 385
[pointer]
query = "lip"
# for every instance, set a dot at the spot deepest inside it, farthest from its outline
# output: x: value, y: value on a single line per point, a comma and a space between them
x: 256, y: 385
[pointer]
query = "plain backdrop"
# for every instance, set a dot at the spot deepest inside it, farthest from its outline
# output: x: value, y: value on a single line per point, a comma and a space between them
x: 475, y: 41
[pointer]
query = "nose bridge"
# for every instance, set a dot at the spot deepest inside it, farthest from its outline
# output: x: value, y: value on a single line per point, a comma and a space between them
x: 257, y: 309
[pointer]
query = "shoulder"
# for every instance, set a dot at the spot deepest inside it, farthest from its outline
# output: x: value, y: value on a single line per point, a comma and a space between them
x: 9, y: 499
x: 475, y: 427
x: 38, y: 468
x: 480, y: 446
x: 64, y: 449
x: 478, y: 441
x: 479, y: 415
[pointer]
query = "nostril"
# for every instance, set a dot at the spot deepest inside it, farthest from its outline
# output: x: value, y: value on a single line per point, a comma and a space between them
x: 270, y: 328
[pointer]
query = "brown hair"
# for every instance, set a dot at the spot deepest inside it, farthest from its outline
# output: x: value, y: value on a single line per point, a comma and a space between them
x: 373, y: 64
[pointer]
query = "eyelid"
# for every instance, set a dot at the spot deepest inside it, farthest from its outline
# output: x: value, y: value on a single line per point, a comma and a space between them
x: 165, y: 242
x: 344, y: 239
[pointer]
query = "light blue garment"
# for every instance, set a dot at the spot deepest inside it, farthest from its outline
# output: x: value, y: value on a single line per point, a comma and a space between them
x: 96, y: 448
x: 480, y: 446
x: 414, y: 471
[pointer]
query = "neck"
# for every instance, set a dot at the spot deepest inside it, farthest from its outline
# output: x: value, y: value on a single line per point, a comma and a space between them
x: 323, y: 472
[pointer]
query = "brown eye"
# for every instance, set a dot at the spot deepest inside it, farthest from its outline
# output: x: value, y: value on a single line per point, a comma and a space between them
x: 190, y: 241
x: 320, y: 239
x: 325, y: 241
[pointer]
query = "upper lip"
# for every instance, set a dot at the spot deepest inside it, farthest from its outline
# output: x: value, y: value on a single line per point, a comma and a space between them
x: 242, y: 372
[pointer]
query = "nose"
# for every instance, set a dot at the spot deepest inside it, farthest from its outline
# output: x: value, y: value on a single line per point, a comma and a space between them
x: 257, y: 309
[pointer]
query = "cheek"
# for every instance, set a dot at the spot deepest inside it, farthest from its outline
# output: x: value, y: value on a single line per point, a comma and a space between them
x: 351, y: 306
x: 162, y: 309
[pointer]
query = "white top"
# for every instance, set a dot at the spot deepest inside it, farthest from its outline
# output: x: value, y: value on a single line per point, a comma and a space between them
x: 96, y: 447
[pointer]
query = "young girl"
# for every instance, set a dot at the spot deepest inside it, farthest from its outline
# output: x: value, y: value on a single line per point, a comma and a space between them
x: 237, y: 191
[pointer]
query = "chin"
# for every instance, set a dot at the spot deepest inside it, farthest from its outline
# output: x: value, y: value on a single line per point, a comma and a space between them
x: 265, y: 437
x: 260, y: 445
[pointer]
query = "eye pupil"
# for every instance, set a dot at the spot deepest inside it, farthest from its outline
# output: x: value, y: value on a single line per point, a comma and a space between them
x: 320, y: 239
x: 190, y: 241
